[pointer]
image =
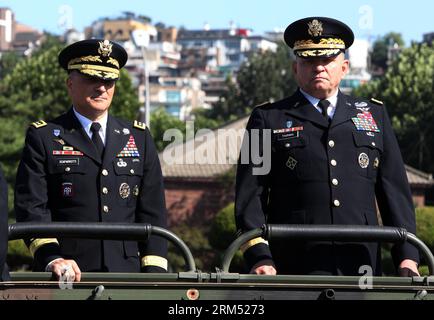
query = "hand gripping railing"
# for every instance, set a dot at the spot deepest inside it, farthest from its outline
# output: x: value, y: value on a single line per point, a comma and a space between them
x: 99, y: 230
x: 329, y: 233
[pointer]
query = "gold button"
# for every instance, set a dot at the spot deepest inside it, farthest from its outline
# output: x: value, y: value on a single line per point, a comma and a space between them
x: 336, y: 203
x: 373, y: 143
x: 331, y: 143
x: 335, y: 182
x: 132, y: 171
x: 105, y: 209
x: 67, y: 169
x: 333, y: 162
x: 104, y: 190
x: 104, y: 172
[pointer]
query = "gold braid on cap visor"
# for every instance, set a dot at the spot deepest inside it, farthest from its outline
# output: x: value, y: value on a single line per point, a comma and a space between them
x: 95, y: 70
x: 317, y: 53
x: 325, y: 43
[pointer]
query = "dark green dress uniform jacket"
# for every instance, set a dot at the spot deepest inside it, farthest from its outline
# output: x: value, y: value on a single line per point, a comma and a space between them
x: 323, y: 174
x: 62, y: 178
x: 4, y: 274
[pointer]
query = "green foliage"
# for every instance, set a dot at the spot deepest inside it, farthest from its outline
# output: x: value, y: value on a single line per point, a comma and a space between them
x: 35, y: 89
x: 19, y: 257
x: 424, y: 271
x: 424, y: 231
x: 222, y: 234
x: 407, y: 91
x: 381, y: 47
x: 162, y: 121
x: 264, y: 77
x: 8, y: 60
x: 197, y: 242
x: 223, y: 229
x: 125, y: 102
x: 203, y: 121
x: 425, y: 225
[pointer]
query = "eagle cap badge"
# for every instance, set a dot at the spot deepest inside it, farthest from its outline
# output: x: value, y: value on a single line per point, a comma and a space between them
x: 105, y: 48
x: 315, y: 28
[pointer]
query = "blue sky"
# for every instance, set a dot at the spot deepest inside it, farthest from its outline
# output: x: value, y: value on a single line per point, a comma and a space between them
x: 367, y: 18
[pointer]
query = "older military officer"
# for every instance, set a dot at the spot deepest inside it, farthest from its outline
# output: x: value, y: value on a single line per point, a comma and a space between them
x: 332, y: 157
x: 87, y: 166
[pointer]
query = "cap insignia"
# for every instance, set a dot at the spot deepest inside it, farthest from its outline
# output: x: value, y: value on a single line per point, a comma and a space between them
x: 315, y: 28
x: 105, y: 48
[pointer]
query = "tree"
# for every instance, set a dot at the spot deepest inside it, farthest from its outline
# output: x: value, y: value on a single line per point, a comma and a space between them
x: 267, y: 76
x: 381, y: 47
x: 222, y: 234
x: 8, y: 61
x: 160, y: 122
x: 407, y: 89
x: 228, y: 106
x: 264, y: 77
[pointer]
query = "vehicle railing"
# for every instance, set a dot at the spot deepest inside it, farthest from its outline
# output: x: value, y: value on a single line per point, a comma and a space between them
x: 345, y: 233
x: 99, y: 230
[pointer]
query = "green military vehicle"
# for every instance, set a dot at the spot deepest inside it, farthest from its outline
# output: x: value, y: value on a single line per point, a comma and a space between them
x: 219, y: 285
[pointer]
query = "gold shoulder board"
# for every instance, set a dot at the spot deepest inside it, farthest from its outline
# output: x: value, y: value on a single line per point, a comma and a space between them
x: 39, y: 124
x: 139, y: 125
x: 377, y: 101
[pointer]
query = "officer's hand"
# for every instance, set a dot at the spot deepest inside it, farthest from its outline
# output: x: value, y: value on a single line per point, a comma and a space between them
x: 267, y: 270
x: 408, y: 268
x: 67, y: 269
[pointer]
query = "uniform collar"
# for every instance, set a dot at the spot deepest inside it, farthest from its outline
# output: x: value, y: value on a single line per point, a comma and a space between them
x: 86, y: 123
x: 314, y: 101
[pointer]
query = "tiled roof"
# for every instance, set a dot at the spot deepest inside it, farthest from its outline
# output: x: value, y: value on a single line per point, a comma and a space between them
x: 184, y: 166
x: 223, y: 146
x: 416, y: 177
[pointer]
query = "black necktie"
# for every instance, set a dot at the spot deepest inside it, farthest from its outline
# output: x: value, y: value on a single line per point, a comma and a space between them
x: 96, y: 138
x: 324, y: 104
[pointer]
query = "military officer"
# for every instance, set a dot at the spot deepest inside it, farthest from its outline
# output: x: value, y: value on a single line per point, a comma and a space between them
x: 332, y: 157
x: 4, y: 274
x: 87, y: 166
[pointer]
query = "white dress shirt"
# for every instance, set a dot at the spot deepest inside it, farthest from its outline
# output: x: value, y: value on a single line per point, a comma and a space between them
x: 314, y: 101
x: 86, y: 123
